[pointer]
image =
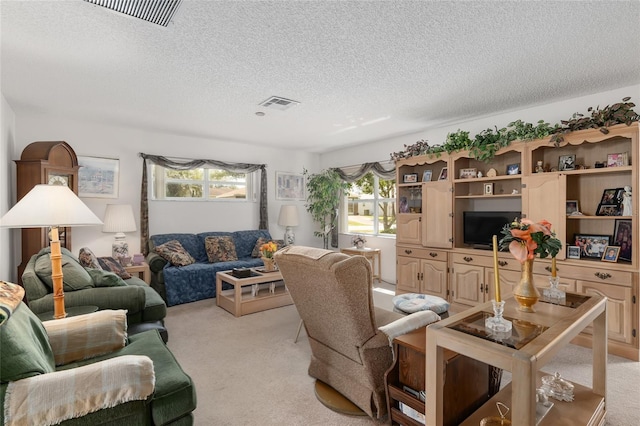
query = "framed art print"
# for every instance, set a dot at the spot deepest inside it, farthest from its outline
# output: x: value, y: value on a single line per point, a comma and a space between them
x: 98, y: 177
x: 289, y: 186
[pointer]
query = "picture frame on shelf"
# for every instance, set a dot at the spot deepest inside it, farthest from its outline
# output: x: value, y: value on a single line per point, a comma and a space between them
x: 572, y: 207
x: 567, y: 162
x: 290, y: 186
x: 426, y: 176
x: 469, y: 173
x: 608, y: 210
x: 410, y: 178
x: 513, y: 169
x: 488, y: 189
x: 610, y: 203
x: 404, y: 205
x: 618, y: 160
x: 611, y: 254
x: 591, y: 245
x: 443, y: 174
x: 98, y: 177
x: 622, y: 237
x: 573, y: 252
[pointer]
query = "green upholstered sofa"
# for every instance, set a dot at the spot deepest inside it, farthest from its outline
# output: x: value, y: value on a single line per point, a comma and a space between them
x: 104, y: 290
x: 46, y: 373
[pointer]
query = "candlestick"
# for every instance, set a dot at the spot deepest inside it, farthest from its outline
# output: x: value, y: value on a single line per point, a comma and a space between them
x: 554, y: 273
x: 495, y: 268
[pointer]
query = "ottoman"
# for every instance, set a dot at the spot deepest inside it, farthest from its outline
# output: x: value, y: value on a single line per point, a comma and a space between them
x: 409, y: 303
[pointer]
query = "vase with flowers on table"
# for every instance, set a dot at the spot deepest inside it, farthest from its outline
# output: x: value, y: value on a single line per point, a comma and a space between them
x: 525, y: 240
x: 267, y: 250
x: 358, y: 241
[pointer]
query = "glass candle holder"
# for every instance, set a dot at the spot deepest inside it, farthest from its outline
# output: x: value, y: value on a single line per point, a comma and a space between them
x: 496, y: 323
x: 553, y: 294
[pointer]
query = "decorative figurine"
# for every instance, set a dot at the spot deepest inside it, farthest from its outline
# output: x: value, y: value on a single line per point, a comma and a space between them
x: 626, y: 201
x: 539, y: 167
x: 479, y: 174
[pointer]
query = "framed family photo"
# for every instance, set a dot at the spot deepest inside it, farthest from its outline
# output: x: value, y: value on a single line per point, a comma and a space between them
x: 426, y: 176
x: 622, y: 237
x: 410, y: 178
x: 592, y: 245
x: 567, y: 162
x: 443, y: 174
x: 572, y: 207
x: 611, y: 254
x: 98, y: 177
x: 513, y: 169
x: 289, y: 186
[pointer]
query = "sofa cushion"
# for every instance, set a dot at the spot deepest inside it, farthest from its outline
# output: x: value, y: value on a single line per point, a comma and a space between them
x: 102, y: 278
x: 75, y: 277
x: 112, y: 265
x: 175, y: 253
x: 246, y: 241
x: 256, y: 249
x: 220, y: 249
x: 24, y: 347
x: 192, y: 243
x: 87, y: 259
x: 154, y: 307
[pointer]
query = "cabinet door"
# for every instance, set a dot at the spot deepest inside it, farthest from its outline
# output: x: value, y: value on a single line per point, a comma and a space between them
x: 508, y: 281
x: 434, y: 278
x: 407, y: 270
x: 467, y: 284
x: 437, y: 206
x: 619, y: 308
x: 543, y: 197
x: 409, y: 229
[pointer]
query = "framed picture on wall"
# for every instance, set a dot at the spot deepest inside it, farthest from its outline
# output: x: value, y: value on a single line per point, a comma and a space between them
x: 289, y: 186
x: 98, y: 177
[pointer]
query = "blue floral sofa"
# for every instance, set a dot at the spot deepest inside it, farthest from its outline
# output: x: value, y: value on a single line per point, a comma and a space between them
x: 196, y: 281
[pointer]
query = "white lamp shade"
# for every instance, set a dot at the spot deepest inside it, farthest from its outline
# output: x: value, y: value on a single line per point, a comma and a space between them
x: 119, y: 218
x: 288, y: 216
x: 49, y: 205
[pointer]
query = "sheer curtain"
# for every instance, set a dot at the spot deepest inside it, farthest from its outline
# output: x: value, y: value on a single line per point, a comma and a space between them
x: 185, y: 164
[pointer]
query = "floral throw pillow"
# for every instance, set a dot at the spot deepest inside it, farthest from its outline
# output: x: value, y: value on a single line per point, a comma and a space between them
x: 260, y: 242
x: 112, y: 265
x: 175, y: 253
x: 220, y: 249
x: 88, y: 259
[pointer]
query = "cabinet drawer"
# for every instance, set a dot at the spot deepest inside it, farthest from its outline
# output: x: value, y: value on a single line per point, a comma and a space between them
x: 505, y: 262
x: 426, y: 253
x: 600, y: 275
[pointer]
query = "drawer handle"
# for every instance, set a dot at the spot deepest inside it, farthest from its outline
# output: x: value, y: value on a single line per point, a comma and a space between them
x: 602, y: 275
x: 503, y: 263
x: 432, y: 254
x: 408, y: 251
x: 481, y: 288
x: 467, y: 259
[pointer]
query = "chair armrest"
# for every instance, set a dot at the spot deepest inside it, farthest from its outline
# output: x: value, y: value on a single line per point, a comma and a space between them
x: 156, y: 262
x: 409, y: 323
x: 87, y: 336
x: 53, y: 397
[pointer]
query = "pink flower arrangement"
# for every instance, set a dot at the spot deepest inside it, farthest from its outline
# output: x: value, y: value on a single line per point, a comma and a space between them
x: 526, y: 238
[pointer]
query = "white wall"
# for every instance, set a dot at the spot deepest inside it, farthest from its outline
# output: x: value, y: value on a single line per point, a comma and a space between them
x: 8, y: 256
x: 98, y: 140
x: 382, y: 149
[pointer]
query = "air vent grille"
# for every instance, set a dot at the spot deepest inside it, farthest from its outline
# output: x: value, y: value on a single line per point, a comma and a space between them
x: 157, y: 11
x: 276, y: 102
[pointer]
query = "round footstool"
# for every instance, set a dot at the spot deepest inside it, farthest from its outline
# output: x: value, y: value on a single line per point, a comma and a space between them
x: 409, y: 303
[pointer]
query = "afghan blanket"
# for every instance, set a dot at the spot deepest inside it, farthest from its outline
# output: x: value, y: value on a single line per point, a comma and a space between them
x: 48, y: 399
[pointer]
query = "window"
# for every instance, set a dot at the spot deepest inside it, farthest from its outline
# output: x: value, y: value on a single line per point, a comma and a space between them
x: 200, y: 184
x: 371, y: 206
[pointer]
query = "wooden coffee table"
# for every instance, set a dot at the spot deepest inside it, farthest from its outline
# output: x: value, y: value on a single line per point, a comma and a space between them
x: 259, y: 292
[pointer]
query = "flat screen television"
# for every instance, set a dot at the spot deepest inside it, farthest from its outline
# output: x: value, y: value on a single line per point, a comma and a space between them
x: 480, y: 227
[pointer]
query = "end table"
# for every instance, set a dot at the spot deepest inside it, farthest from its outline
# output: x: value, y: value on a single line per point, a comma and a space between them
x: 372, y: 255
x: 142, y: 270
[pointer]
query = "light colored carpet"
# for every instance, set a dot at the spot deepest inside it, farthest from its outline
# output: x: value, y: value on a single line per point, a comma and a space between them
x: 249, y: 371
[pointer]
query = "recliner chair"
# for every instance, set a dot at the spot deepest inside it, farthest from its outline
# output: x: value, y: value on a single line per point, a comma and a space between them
x: 333, y: 293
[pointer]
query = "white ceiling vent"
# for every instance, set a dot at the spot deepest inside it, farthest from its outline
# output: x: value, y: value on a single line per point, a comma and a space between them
x: 157, y: 11
x: 276, y: 102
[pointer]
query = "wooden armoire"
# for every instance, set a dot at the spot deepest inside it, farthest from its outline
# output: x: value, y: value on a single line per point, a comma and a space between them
x: 53, y: 163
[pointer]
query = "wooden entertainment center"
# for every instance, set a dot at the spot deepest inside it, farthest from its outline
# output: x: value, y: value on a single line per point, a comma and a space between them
x: 431, y: 254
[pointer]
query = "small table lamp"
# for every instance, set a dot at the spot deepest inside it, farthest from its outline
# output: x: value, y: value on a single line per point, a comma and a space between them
x: 51, y: 206
x: 288, y: 218
x: 119, y: 218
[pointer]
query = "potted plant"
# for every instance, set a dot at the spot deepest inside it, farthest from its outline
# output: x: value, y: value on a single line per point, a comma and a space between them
x: 324, y: 190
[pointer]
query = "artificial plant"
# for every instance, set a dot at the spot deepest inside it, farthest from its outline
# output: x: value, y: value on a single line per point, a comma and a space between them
x: 324, y: 190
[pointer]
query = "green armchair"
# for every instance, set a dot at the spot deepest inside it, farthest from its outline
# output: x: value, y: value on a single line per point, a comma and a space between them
x: 84, y: 370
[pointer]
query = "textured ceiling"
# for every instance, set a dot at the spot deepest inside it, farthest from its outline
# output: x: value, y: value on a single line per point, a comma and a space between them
x: 361, y: 71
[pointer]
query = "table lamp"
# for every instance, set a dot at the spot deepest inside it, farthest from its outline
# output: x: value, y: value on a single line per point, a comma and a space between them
x: 119, y: 218
x: 288, y: 218
x: 51, y: 206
